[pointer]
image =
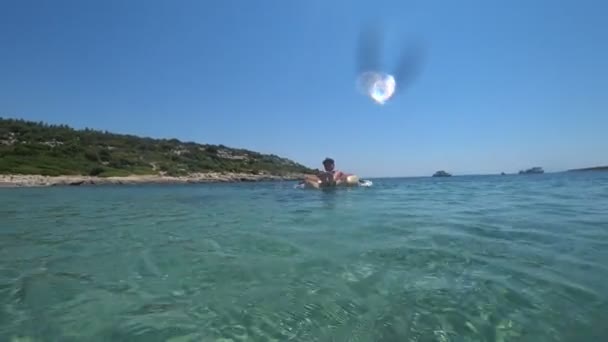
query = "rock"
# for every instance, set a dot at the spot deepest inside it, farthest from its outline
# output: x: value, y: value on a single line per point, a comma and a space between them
x: 211, y: 177
x: 441, y: 174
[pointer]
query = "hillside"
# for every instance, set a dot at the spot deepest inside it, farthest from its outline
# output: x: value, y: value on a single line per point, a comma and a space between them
x: 596, y: 168
x: 38, y: 148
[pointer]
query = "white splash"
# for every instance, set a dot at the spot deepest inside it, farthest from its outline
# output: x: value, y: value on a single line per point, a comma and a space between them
x: 379, y: 86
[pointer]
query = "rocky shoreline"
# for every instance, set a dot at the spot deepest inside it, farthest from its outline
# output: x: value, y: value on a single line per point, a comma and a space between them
x: 16, y: 180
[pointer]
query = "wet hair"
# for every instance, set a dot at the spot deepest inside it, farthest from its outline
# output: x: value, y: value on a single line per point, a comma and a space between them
x: 328, y: 161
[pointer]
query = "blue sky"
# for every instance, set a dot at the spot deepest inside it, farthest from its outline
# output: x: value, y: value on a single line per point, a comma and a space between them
x: 504, y: 85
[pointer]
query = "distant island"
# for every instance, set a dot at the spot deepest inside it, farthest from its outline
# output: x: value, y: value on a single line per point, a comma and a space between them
x: 534, y: 170
x: 596, y: 168
x: 441, y: 174
x: 36, y: 152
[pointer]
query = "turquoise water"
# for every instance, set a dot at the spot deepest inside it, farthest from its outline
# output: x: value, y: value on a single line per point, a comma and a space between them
x: 511, y: 258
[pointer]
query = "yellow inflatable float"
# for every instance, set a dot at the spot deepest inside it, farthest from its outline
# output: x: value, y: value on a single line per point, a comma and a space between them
x: 350, y: 181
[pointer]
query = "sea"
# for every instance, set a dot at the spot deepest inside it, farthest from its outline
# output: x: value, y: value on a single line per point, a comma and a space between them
x: 467, y: 258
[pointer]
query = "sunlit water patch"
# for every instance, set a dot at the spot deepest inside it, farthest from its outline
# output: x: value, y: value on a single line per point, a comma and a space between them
x: 511, y: 258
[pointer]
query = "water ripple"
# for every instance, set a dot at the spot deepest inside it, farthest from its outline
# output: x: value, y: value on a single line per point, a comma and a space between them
x: 511, y: 258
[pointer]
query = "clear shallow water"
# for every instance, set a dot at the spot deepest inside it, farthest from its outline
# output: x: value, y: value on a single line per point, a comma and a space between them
x: 513, y: 258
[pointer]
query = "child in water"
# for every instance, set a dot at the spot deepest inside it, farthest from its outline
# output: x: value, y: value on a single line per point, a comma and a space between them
x: 328, y: 178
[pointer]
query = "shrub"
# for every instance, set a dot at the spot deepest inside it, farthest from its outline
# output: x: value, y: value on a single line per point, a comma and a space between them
x: 96, y: 171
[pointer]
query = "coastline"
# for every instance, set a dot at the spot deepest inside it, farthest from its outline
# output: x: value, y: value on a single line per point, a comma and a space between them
x: 19, y: 180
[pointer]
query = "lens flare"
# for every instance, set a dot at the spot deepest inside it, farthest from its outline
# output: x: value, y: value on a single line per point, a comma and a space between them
x: 373, y: 77
x: 378, y: 86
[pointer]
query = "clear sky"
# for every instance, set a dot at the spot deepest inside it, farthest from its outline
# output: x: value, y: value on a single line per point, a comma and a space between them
x: 505, y: 85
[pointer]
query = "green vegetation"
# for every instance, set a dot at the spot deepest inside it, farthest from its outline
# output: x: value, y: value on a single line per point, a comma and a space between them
x: 38, y: 148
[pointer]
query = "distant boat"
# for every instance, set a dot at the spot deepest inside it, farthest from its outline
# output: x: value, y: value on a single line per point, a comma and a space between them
x: 534, y: 170
x: 441, y: 174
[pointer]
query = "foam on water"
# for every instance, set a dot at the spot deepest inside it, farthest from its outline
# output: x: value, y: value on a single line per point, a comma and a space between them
x: 513, y: 258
